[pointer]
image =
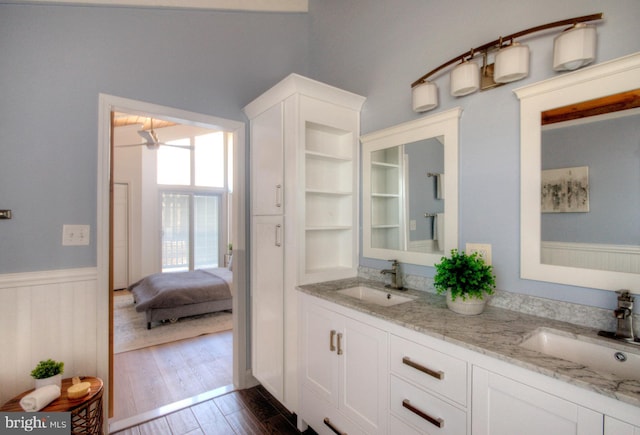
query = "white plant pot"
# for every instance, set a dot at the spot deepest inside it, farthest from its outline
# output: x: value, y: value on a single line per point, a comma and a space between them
x: 53, y: 380
x: 470, y: 306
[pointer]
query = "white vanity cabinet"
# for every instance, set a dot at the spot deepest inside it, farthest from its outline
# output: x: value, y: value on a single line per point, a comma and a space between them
x: 432, y: 386
x: 502, y: 406
x: 304, y: 213
x: 344, y: 371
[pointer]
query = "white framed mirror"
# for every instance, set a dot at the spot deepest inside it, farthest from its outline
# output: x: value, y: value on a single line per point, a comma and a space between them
x: 410, y: 190
x: 583, y: 246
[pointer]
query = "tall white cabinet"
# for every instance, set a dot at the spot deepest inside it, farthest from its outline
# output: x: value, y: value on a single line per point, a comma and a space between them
x: 304, y: 213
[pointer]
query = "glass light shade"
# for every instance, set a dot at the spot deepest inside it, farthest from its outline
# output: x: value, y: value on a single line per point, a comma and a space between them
x: 574, y: 48
x: 425, y: 97
x: 511, y: 63
x: 465, y: 79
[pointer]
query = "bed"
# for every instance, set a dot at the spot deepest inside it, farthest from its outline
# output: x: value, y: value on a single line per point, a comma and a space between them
x: 171, y: 296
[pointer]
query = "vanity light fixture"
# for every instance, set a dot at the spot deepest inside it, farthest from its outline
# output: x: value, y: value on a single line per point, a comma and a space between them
x: 425, y: 96
x: 465, y: 79
x: 511, y: 63
x: 573, y: 49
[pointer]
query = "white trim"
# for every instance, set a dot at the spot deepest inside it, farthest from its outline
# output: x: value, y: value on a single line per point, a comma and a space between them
x: 596, y: 81
x: 108, y: 103
x: 295, y: 83
x: 29, y: 279
x: 292, y: 6
x: 445, y: 123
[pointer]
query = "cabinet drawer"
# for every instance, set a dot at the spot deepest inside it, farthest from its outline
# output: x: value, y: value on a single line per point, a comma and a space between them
x: 319, y: 414
x: 399, y: 427
x: 426, y: 367
x: 428, y: 413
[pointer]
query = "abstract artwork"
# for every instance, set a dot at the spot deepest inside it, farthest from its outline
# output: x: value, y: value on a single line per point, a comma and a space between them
x: 565, y: 190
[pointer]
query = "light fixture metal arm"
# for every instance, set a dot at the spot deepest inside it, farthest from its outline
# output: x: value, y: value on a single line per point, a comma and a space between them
x: 498, y: 42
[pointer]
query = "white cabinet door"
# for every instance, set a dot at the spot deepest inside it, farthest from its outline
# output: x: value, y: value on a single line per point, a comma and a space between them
x: 614, y: 426
x: 267, y: 162
x: 344, y: 362
x: 502, y: 406
x: 267, y: 299
x: 365, y: 374
x: 320, y: 371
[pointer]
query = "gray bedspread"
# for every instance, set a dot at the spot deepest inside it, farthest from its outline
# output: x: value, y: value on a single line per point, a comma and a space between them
x: 166, y: 290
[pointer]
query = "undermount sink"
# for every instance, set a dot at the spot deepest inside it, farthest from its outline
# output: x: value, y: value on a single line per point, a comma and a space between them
x: 374, y: 296
x: 595, y: 354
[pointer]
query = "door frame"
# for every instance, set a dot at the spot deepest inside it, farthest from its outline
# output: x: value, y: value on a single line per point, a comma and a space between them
x: 108, y: 104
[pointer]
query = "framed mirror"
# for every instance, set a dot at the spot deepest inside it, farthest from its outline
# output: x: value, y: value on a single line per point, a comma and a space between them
x: 410, y: 190
x: 580, y: 177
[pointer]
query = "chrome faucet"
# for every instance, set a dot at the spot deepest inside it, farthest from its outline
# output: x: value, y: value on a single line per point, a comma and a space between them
x: 396, y: 277
x: 624, y: 315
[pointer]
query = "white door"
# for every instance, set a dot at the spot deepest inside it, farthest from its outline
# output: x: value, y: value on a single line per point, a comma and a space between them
x: 267, y: 303
x: 120, y: 236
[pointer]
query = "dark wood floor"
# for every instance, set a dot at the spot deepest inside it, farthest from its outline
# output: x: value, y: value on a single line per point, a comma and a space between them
x: 251, y: 411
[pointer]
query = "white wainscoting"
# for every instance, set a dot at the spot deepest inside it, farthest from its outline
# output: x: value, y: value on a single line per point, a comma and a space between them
x: 49, y: 314
x: 619, y: 258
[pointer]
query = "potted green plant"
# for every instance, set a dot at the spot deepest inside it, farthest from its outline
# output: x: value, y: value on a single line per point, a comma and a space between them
x: 48, y: 372
x: 466, y: 279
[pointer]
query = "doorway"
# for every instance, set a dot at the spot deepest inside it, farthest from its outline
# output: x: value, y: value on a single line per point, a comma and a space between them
x: 109, y: 104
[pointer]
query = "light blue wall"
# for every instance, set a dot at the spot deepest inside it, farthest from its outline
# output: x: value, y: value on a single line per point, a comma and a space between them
x: 55, y: 60
x: 378, y: 48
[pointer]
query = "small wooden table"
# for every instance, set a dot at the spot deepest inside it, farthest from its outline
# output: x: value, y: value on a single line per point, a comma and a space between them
x: 86, y: 412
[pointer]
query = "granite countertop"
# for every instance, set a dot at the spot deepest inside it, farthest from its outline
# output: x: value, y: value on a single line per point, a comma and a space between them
x: 496, y: 332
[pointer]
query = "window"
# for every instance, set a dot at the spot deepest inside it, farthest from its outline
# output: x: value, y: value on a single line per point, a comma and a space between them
x: 194, y: 197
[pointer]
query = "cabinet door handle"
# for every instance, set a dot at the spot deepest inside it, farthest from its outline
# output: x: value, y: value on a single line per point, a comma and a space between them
x: 436, y: 374
x: 278, y: 235
x: 278, y: 195
x: 330, y: 425
x: 436, y: 421
x: 340, y: 343
x: 332, y: 334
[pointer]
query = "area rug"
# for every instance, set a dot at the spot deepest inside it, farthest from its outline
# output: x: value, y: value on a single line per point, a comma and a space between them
x: 130, y: 327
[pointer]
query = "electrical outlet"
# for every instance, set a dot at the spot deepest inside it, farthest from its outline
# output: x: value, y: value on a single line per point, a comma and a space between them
x: 75, y: 235
x: 483, y: 249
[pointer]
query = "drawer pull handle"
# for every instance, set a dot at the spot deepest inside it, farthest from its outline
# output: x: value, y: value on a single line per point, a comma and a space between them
x: 328, y: 423
x: 438, y: 422
x: 436, y: 374
x: 278, y: 241
x: 339, y: 343
x: 332, y: 346
x: 278, y: 195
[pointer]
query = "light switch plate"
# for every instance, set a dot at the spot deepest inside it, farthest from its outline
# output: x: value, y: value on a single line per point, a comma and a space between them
x: 483, y: 249
x: 75, y: 235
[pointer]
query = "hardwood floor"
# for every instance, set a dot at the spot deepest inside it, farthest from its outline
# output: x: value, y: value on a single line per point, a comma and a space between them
x: 149, y: 378
x: 251, y: 411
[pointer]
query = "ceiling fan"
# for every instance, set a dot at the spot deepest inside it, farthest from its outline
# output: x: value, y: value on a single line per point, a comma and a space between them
x: 151, y: 140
